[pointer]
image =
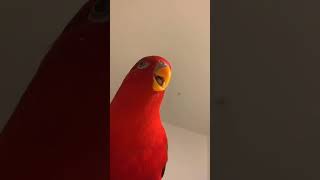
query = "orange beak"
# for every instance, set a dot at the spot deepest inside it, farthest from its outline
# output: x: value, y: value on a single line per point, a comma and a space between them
x: 161, y: 77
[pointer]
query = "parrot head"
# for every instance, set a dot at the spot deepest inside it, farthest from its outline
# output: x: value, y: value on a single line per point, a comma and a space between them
x: 151, y: 73
x: 144, y: 85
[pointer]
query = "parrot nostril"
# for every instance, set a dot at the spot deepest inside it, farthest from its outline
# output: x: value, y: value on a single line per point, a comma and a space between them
x: 160, y: 80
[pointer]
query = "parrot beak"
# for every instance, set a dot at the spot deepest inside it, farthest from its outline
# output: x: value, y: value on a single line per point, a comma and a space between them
x: 162, y: 76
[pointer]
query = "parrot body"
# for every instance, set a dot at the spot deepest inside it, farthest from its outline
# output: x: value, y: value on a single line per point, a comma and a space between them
x: 58, y: 130
x: 138, y: 142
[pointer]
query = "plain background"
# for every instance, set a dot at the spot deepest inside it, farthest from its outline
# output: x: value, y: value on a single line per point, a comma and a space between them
x: 267, y: 56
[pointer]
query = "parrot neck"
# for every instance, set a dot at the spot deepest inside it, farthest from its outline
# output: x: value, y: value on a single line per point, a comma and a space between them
x: 137, y: 102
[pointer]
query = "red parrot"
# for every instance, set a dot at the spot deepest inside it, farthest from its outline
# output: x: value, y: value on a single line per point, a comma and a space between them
x: 58, y: 131
x: 138, y: 142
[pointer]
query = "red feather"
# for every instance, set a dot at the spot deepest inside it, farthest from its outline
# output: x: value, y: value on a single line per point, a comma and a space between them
x: 138, y: 140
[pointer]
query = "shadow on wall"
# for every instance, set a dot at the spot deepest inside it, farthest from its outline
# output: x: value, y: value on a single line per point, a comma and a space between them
x: 189, y: 155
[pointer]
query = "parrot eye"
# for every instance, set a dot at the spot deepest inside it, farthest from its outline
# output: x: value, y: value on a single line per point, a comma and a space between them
x: 142, y: 65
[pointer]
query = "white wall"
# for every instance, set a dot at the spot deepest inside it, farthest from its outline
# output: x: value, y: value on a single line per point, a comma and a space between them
x: 178, y: 30
x: 189, y: 156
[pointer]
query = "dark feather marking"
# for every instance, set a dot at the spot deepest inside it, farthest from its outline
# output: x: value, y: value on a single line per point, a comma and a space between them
x: 163, y: 170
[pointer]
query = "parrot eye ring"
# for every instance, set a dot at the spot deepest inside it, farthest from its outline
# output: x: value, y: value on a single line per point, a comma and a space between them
x: 142, y: 65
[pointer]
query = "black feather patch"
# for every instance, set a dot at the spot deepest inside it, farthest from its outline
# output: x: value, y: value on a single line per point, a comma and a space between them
x: 163, y: 170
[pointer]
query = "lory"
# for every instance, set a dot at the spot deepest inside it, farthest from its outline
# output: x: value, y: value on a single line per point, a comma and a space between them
x: 138, y: 142
x: 58, y: 130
